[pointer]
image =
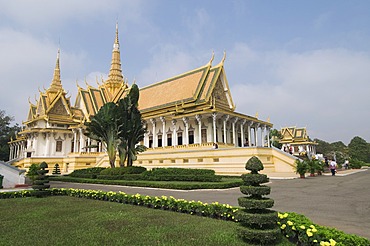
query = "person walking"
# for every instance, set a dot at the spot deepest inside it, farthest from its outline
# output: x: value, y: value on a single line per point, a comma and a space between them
x: 333, y: 167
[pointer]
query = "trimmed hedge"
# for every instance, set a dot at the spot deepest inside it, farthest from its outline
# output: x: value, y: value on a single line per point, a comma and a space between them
x: 90, y: 173
x: 181, y: 171
x: 181, y: 174
x: 177, y: 185
x: 121, y: 177
x: 120, y: 171
x: 250, y: 203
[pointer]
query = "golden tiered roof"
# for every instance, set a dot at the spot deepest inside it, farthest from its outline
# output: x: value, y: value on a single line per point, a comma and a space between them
x: 295, y: 135
x: 53, y: 105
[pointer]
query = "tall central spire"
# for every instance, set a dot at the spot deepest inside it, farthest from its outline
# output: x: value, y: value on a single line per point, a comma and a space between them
x: 56, y: 84
x: 115, y: 72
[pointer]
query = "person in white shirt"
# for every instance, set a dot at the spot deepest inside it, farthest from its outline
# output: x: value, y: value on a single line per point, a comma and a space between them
x: 333, y: 167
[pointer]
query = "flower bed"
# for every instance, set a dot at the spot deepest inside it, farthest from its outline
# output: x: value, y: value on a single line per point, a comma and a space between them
x: 296, y: 227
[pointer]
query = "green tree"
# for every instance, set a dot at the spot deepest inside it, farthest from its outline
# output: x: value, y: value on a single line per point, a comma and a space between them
x: 6, y: 133
x: 131, y: 127
x: 359, y: 149
x: 275, y: 137
x: 104, y: 127
x: 323, y: 147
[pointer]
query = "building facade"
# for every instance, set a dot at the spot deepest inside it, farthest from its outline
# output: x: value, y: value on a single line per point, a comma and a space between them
x: 184, y: 116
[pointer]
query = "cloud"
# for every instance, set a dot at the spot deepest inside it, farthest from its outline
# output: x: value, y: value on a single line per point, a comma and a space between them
x: 27, y: 64
x: 169, y: 60
x: 37, y: 14
x: 323, y: 90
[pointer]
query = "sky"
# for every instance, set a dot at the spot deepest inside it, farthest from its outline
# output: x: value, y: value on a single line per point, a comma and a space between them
x: 297, y: 63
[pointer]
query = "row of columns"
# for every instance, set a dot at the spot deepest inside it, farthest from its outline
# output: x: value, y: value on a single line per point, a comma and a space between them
x: 213, y: 131
x: 80, y: 142
x: 17, y: 150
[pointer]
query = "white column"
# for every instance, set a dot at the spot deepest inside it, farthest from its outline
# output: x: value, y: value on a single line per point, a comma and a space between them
x: 185, y: 140
x: 268, y: 137
x: 214, y: 117
x: 199, y: 120
x: 261, y: 137
x: 82, y: 141
x: 249, y: 133
x: 164, y: 135
x: 11, y: 147
x: 242, y: 131
x: 146, y: 139
x: 234, y: 133
x: 174, y: 137
x: 88, y: 144
x: 35, y: 144
x: 47, y: 148
x: 256, y: 133
x: 226, y: 118
x: 155, y: 143
x: 74, y: 140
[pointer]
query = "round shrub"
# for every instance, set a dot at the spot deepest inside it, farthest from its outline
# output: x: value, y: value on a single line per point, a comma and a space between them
x: 254, y: 165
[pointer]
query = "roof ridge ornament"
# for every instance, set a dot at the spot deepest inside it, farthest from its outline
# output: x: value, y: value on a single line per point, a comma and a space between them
x: 224, y: 57
x: 213, y: 57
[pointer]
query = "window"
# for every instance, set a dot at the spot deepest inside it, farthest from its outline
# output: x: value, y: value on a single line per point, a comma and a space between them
x: 150, y: 142
x: 191, y: 137
x: 169, y: 139
x: 179, y: 138
x: 59, y: 146
x: 159, y: 140
x: 204, y: 135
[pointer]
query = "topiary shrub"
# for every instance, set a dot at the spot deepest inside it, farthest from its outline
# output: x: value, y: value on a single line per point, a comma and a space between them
x: 56, y: 169
x: 32, y: 172
x: 258, y: 222
x: 41, y: 183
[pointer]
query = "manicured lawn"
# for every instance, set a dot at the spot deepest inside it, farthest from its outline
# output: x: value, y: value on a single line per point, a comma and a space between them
x: 76, y: 221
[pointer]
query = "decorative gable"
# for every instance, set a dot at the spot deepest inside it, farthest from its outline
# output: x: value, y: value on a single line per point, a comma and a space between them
x: 59, y: 108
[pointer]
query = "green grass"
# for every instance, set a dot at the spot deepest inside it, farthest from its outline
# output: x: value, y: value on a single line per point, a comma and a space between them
x: 77, y: 221
x: 180, y: 185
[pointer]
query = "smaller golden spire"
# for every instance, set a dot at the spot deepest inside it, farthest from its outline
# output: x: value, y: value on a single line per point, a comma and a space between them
x: 56, y: 83
x: 115, y: 75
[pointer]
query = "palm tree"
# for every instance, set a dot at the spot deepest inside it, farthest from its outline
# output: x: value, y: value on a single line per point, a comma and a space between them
x: 104, y: 127
x: 131, y: 127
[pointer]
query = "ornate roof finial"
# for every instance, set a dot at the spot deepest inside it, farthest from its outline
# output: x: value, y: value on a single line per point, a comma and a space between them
x: 115, y: 73
x: 223, y: 58
x: 213, y: 57
x: 116, y: 41
x: 56, y: 84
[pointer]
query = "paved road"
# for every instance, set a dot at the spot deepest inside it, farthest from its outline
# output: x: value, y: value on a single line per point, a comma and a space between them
x: 342, y: 202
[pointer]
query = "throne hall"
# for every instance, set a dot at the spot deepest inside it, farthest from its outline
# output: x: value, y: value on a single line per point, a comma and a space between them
x: 185, y: 116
